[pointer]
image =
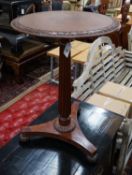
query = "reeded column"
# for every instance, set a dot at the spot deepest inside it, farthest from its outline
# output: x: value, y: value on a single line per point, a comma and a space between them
x: 65, y: 122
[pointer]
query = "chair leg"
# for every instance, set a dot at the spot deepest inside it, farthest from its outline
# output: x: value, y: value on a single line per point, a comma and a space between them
x: 18, y: 75
x: 17, y: 69
x: 52, y: 78
x: 74, y: 70
x: 52, y: 68
x: 124, y: 145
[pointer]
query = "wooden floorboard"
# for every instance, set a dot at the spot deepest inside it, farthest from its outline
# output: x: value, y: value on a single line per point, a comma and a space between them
x: 45, y: 156
x: 58, y: 159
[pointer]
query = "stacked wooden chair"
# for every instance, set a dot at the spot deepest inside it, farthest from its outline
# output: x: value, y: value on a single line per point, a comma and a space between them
x: 114, y: 7
x: 105, y: 63
x: 108, y: 63
x: 96, y: 6
x: 87, y: 84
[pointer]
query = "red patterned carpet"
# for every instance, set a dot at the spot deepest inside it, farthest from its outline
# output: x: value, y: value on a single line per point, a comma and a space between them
x: 24, y: 111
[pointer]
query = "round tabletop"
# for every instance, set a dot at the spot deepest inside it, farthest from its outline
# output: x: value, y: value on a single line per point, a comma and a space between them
x: 65, y: 24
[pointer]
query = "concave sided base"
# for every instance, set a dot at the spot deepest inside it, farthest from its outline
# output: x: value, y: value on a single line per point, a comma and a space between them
x: 75, y: 137
x: 67, y: 128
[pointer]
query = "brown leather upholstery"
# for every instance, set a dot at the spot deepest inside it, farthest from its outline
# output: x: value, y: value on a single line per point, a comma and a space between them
x: 29, y: 48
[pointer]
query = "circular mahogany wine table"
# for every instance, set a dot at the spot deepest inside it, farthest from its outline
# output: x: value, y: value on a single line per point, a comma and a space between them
x: 64, y: 26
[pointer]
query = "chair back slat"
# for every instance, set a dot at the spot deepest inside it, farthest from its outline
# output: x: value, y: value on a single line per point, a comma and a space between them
x: 104, y: 63
x: 128, y: 59
x: 94, y: 69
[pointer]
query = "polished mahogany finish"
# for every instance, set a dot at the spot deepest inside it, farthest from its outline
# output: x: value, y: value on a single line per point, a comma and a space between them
x: 65, y: 90
x: 65, y: 26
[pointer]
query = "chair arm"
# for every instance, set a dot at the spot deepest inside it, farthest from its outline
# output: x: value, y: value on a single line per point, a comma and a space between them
x: 124, y: 145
